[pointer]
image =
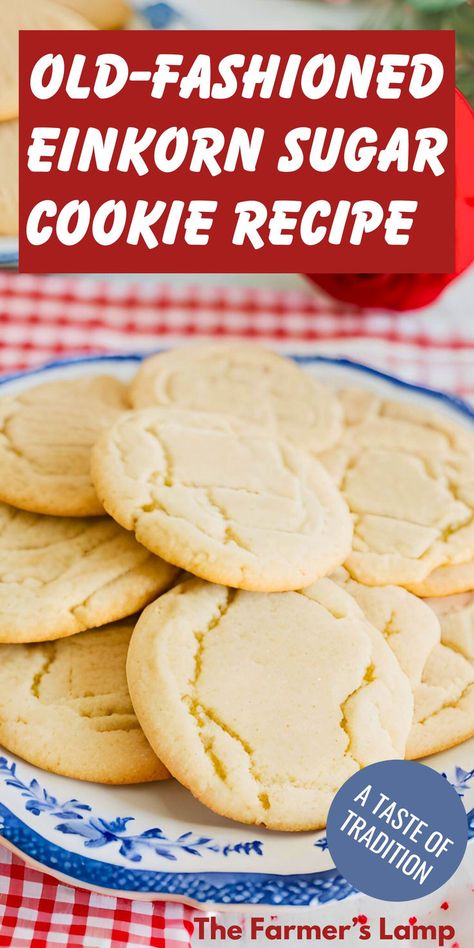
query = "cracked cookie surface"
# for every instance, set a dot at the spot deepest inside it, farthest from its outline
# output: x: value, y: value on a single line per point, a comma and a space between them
x: 61, y: 575
x: 446, y: 581
x: 221, y: 499
x: 444, y: 700
x: 244, y: 381
x: 409, y: 626
x: 263, y: 705
x: 106, y: 15
x: 46, y: 437
x: 408, y: 477
x: 65, y: 707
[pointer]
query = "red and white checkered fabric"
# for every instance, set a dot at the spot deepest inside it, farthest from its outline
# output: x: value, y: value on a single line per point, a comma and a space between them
x: 46, y: 318
x: 38, y: 911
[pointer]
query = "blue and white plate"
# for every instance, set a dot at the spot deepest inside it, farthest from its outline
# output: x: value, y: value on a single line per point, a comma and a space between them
x: 8, y: 251
x: 155, y: 841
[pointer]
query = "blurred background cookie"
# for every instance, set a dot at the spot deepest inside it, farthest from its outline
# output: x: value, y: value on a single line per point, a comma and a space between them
x: 37, y: 15
x: 244, y: 381
x: 27, y: 15
x: 221, y: 498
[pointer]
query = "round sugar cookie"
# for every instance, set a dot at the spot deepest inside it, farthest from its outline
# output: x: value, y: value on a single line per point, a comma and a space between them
x: 103, y: 14
x: 46, y: 437
x: 408, y: 477
x: 9, y: 178
x: 65, y: 707
x: 27, y: 15
x: 61, y: 575
x: 263, y: 705
x: 247, y: 382
x: 446, y: 581
x: 444, y: 700
x: 409, y: 626
x: 221, y: 499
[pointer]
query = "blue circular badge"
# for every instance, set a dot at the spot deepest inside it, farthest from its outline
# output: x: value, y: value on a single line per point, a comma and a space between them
x: 397, y: 830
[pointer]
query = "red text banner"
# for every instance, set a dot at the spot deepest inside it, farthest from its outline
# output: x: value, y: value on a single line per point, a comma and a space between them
x: 229, y: 151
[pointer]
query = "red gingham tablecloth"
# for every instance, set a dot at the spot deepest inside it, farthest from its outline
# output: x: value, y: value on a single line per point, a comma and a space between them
x: 46, y: 318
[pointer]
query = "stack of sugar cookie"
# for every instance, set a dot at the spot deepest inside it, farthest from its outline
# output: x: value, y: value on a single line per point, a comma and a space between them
x: 36, y: 15
x: 314, y: 629
x: 66, y: 567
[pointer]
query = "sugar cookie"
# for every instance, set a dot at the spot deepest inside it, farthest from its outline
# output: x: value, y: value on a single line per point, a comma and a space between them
x: 263, y: 705
x: 408, y: 477
x: 61, y: 575
x: 446, y: 581
x: 444, y: 701
x: 244, y: 381
x: 409, y: 626
x: 221, y: 499
x: 46, y: 437
x: 362, y: 405
x: 65, y: 707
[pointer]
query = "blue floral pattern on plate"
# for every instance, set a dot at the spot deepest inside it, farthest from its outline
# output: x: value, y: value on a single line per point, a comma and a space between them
x: 461, y: 780
x: 98, y: 832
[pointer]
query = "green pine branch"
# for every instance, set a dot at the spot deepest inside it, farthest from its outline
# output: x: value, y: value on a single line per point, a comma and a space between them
x: 455, y: 15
